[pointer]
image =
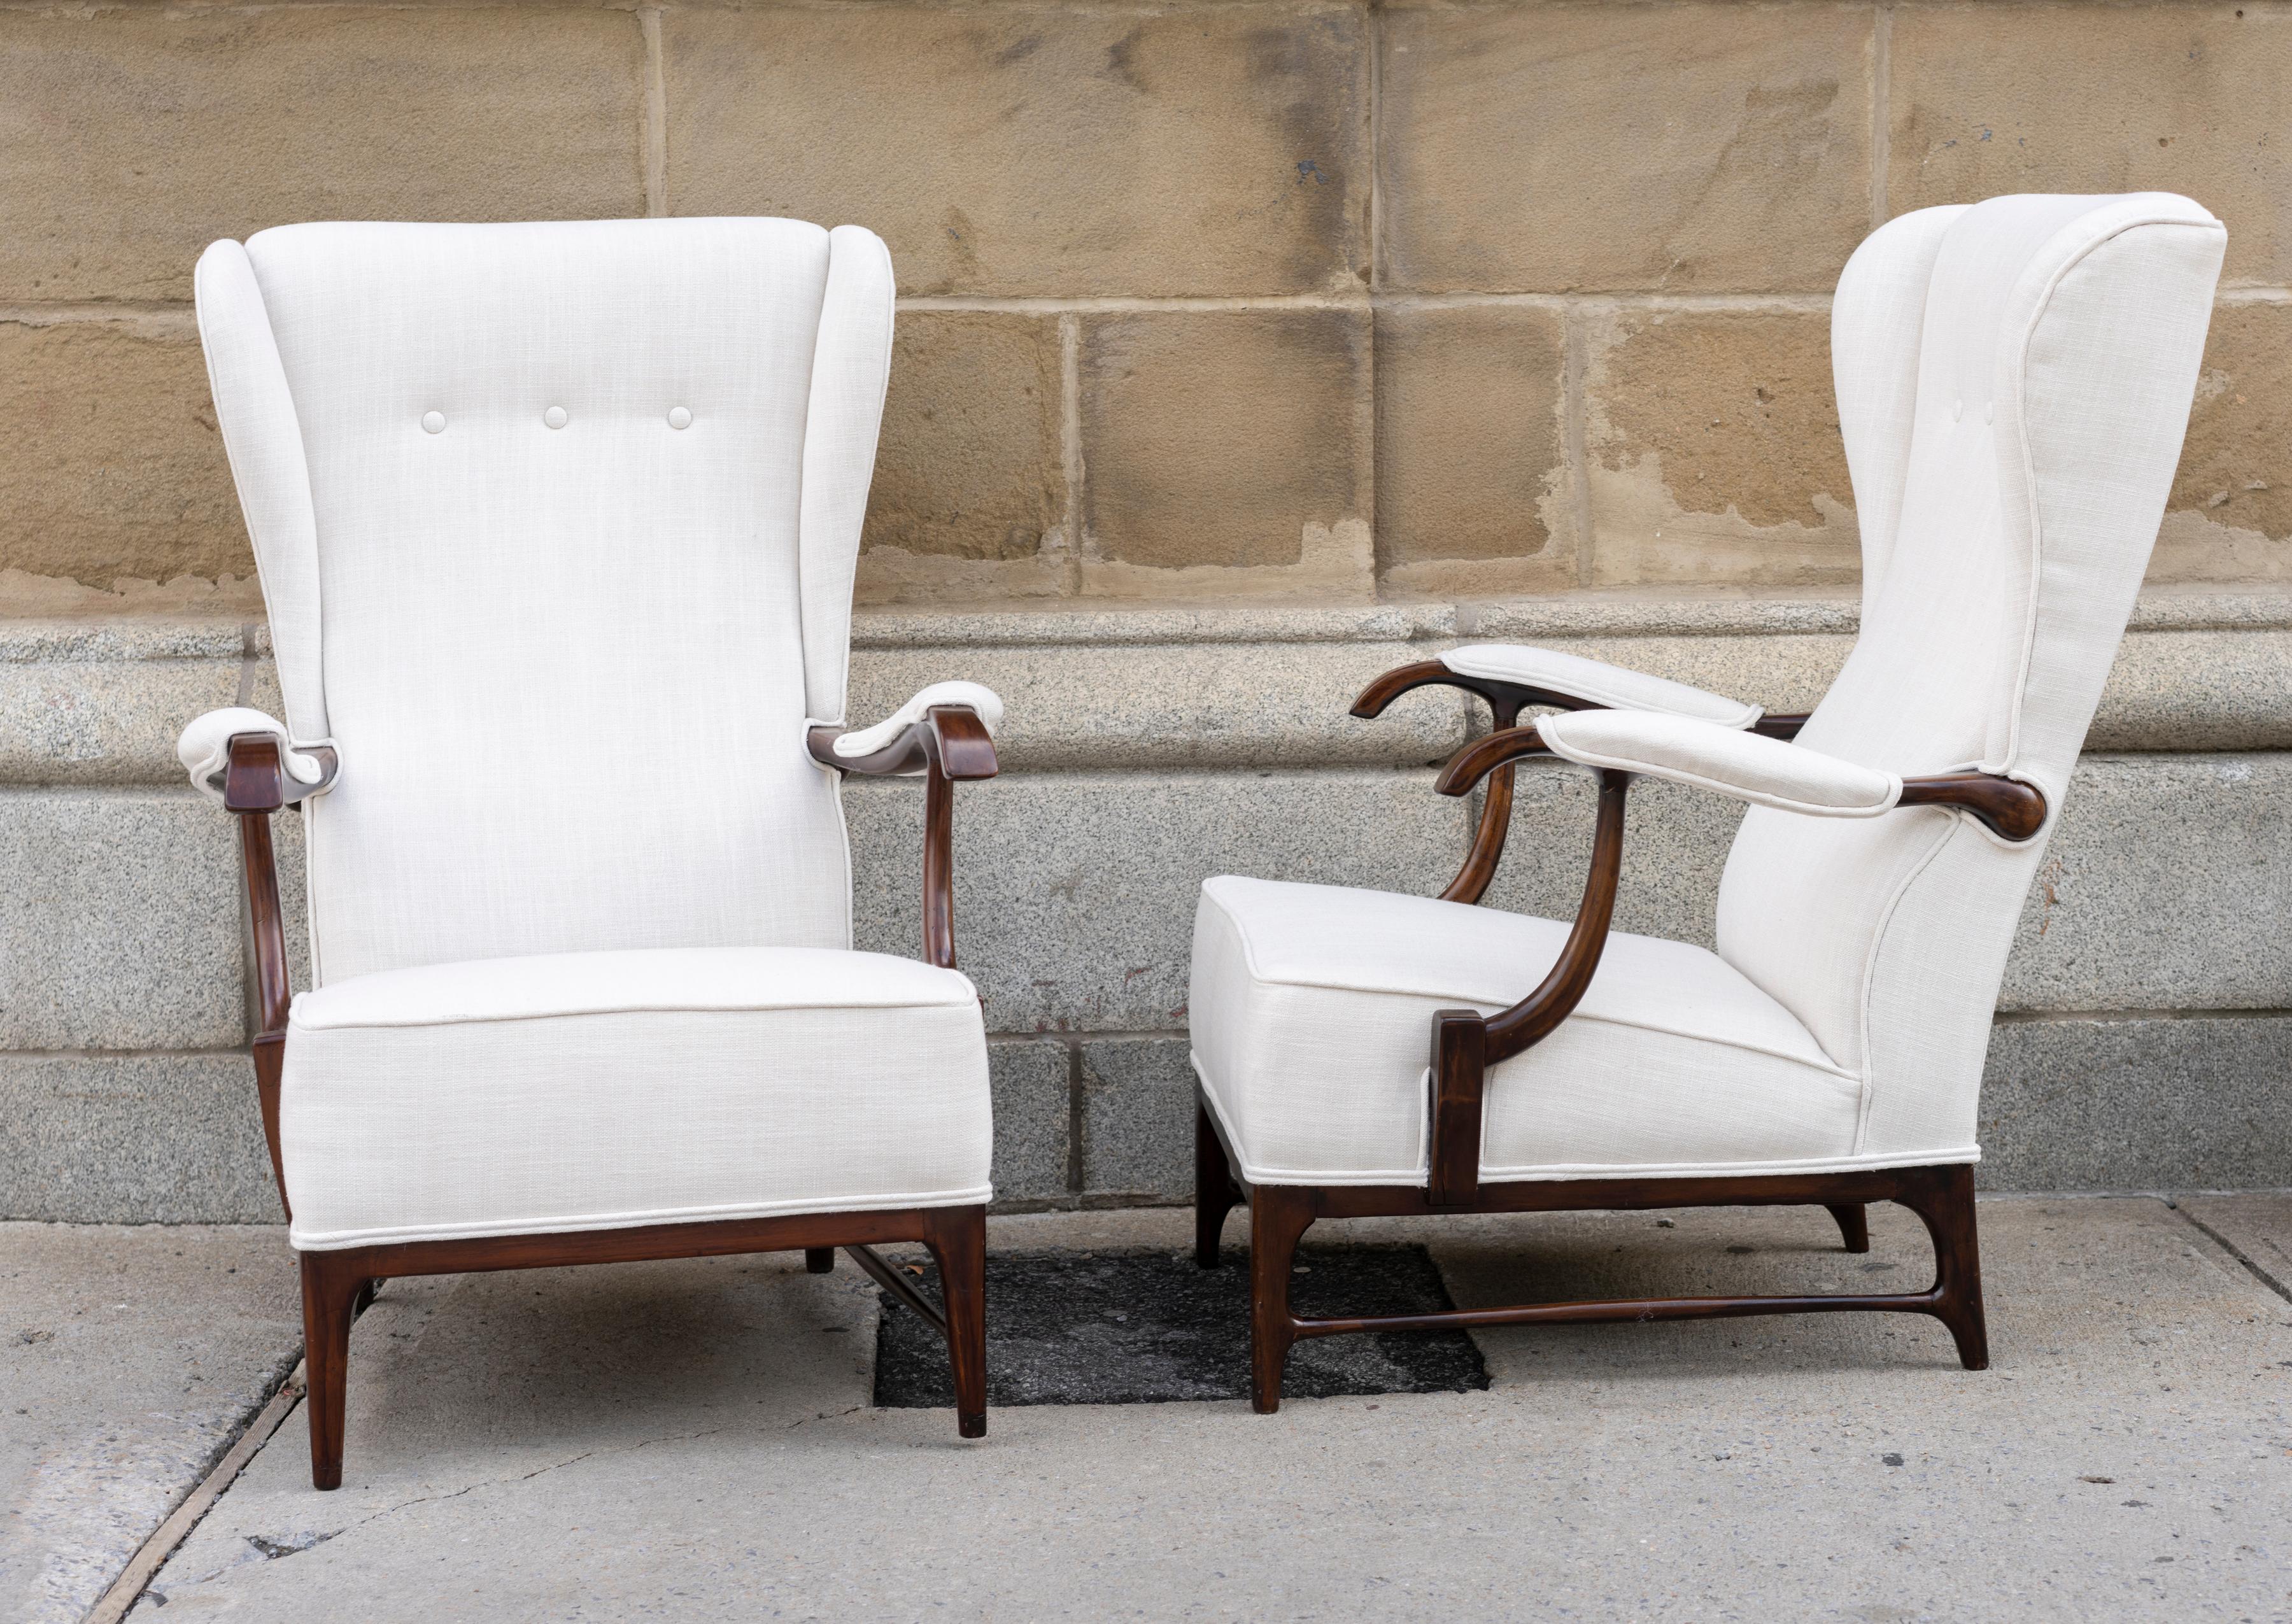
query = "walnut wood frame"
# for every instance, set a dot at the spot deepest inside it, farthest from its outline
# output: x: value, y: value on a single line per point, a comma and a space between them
x: 1464, y: 1044
x: 949, y: 745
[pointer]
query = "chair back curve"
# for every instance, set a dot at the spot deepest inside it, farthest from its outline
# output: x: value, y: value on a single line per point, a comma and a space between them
x: 556, y: 526
x: 2015, y: 379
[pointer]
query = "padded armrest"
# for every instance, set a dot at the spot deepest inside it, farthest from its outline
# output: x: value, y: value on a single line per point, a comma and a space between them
x: 1748, y: 766
x: 970, y: 696
x: 205, y: 750
x: 1597, y: 683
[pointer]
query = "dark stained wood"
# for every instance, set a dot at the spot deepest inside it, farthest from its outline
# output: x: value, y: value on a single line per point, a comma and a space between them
x: 1854, y: 1225
x: 900, y: 1286
x: 1277, y: 1221
x: 2011, y: 809
x: 253, y: 786
x: 1533, y: 1018
x: 1782, y: 724
x: 1215, y: 1194
x: 1472, y: 881
x: 1482, y: 756
x: 951, y: 744
x: 333, y: 1283
x: 819, y: 1260
x: 1943, y: 1196
x: 1455, y: 1081
x: 957, y: 1238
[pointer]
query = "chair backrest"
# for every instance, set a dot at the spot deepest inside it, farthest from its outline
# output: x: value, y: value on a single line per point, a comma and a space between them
x: 556, y: 526
x: 2013, y: 380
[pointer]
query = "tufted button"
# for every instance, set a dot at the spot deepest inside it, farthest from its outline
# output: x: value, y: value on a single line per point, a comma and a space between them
x: 555, y: 416
x: 679, y: 418
x: 433, y: 423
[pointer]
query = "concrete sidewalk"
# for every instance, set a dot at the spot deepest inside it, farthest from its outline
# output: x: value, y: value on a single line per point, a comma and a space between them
x: 694, y: 1440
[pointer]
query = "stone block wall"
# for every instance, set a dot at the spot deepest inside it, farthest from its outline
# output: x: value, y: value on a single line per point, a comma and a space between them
x: 1298, y: 300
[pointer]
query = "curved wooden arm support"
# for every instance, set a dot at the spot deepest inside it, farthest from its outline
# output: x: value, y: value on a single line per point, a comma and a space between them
x: 1466, y: 1044
x: 255, y: 787
x: 2014, y: 809
x: 951, y: 744
x: 1506, y: 701
x: 1495, y: 752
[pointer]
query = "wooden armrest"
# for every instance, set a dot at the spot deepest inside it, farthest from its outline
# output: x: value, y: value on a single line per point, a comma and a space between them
x: 1465, y: 1044
x: 253, y: 788
x: 949, y: 745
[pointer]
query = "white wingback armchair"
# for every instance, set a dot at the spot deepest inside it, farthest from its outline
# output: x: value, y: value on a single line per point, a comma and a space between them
x: 556, y: 526
x: 2014, y: 383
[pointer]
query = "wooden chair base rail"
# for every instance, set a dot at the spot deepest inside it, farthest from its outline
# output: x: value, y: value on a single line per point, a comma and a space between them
x: 337, y: 1285
x: 1279, y: 1214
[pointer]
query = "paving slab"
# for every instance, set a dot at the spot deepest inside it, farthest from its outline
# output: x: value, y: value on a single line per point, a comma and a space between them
x: 129, y: 1361
x: 695, y: 1439
x: 2257, y: 1227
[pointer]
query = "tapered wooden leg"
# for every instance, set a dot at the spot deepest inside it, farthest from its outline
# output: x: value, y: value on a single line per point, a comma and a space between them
x: 331, y: 1286
x: 1854, y: 1224
x: 819, y: 1260
x: 1213, y: 1192
x: 957, y: 1238
x: 1947, y: 1206
x: 1279, y: 1217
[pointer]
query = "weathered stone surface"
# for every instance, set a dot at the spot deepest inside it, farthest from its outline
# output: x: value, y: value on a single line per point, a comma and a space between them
x: 2068, y: 98
x: 2137, y: 1104
x: 1231, y: 444
x: 130, y: 1360
x: 134, y: 1139
x: 97, y: 705
x: 2229, y: 517
x: 2165, y: 888
x: 1075, y: 891
x: 1713, y: 451
x: 1034, y: 1111
x: 1138, y: 1120
x: 1247, y: 705
x: 969, y: 472
x: 131, y: 137
x: 1692, y: 147
x: 119, y: 921
x: 2258, y: 1226
x: 115, y: 468
x: 1473, y: 492
x: 1038, y: 152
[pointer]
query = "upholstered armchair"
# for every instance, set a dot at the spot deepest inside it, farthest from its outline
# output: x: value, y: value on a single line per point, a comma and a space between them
x: 556, y: 527
x: 2013, y: 382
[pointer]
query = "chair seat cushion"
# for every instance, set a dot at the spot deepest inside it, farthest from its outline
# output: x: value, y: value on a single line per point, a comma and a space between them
x: 1312, y: 1013
x: 600, y: 1090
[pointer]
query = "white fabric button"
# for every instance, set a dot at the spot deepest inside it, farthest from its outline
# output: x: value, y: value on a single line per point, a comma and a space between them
x: 435, y: 421
x: 555, y: 416
x: 679, y: 418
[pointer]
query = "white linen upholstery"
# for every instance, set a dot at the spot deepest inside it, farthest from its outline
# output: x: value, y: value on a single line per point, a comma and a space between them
x: 204, y: 747
x: 1596, y: 681
x: 601, y: 1090
x: 975, y: 697
x: 1748, y: 766
x: 1312, y: 1013
x: 556, y: 526
x: 547, y: 609
x: 2014, y: 383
